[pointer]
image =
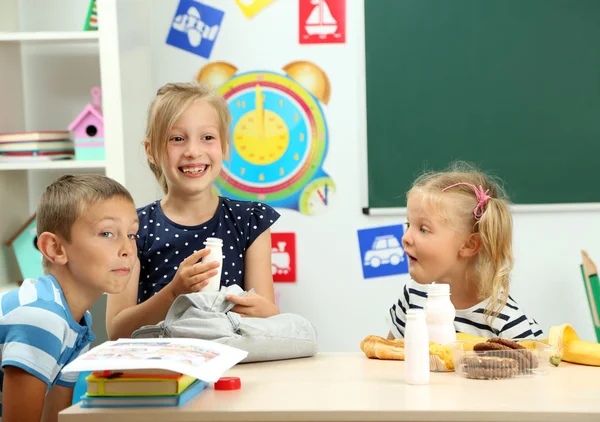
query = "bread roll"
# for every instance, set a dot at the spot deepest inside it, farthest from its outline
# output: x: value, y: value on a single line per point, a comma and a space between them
x: 376, y: 347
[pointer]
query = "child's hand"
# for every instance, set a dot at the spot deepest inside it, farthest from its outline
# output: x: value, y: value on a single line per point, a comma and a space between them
x: 253, y: 305
x: 192, y: 275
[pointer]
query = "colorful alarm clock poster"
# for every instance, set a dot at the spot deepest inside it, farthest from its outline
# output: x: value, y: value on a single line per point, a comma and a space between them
x: 279, y: 135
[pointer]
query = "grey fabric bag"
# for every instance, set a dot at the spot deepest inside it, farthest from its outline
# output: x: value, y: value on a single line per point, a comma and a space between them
x: 207, y: 316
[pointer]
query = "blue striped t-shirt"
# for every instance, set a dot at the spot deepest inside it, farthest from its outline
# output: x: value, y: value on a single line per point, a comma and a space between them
x: 38, y: 333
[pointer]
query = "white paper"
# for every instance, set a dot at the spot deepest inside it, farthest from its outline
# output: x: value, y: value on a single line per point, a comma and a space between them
x: 201, y: 359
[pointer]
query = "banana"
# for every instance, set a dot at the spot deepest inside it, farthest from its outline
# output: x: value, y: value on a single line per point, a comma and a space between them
x: 469, y: 337
x: 570, y: 348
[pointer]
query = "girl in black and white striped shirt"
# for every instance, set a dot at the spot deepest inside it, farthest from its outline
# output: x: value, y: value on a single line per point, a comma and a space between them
x: 459, y: 232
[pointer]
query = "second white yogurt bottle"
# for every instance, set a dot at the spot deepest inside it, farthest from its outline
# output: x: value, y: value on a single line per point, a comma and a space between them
x: 216, y: 255
x: 440, y: 314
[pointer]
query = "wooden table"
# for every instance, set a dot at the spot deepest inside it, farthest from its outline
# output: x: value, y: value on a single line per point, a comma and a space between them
x: 350, y: 387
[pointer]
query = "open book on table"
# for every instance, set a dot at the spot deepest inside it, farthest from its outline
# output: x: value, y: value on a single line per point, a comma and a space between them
x: 201, y: 359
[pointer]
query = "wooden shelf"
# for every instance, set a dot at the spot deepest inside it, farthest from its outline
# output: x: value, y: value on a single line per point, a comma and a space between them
x: 52, y: 165
x: 52, y: 36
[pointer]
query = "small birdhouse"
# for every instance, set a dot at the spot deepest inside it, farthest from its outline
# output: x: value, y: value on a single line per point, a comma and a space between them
x: 88, y: 130
x: 23, y: 244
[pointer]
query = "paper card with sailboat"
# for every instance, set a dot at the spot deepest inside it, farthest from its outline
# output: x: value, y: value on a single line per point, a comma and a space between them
x: 201, y: 359
x: 322, y: 21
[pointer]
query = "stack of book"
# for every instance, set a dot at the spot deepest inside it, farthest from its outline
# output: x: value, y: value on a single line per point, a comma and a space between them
x: 140, y: 388
x: 36, y: 146
x: 151, y: 372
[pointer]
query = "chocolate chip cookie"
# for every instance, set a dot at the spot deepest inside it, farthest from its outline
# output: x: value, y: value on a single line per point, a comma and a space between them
x: 505, y: 348
x: 490, y: 368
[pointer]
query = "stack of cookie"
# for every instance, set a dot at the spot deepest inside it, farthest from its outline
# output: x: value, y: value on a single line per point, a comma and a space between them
x: 498, y: 358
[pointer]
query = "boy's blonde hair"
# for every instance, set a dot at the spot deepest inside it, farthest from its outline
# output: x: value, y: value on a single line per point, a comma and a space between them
x: 494, y: 261
x: 67, y: 198
x: 169, y: 104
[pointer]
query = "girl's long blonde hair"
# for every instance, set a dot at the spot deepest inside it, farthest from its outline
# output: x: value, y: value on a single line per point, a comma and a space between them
x: 494, y: 260
x: 169, y: 104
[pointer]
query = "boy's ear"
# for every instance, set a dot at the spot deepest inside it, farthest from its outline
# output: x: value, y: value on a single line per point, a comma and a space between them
x: 471, y: 246
x: 148, y: 152
x: 50, y: 245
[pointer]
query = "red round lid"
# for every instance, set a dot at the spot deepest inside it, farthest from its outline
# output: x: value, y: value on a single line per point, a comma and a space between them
x: 228, y: 383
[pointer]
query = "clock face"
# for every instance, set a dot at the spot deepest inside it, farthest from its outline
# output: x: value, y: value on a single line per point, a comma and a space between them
x: 317, y: 196
x: 261, y: 144
x: 278, y: 137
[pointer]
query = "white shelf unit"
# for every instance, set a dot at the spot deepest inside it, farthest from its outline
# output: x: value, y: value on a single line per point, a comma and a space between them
x: 50, y: 36
x: 54, y: 165
x: 48, y: 65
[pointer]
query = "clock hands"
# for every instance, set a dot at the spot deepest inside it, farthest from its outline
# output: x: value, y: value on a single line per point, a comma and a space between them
x: 324, y: 197
x: 259, y: 104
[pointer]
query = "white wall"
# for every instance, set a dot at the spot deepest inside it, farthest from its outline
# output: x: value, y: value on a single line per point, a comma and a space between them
x: 326, y: 280
x: 330, y: 290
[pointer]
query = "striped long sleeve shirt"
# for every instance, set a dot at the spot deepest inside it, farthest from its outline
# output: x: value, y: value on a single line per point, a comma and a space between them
x: 511, y: 323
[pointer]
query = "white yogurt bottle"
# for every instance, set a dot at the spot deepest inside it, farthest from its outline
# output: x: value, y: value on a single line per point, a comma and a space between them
x: 416, y: 348
x: 440, y: 314
x: 216, y: 255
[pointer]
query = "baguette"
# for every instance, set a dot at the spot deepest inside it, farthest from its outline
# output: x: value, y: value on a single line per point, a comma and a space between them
x: 376, y: 347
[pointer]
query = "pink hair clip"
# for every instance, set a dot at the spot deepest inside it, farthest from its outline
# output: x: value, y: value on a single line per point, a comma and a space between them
x: 482, y: 198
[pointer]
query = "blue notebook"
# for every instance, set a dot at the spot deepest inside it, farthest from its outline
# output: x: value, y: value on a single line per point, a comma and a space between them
x: 144, y: 401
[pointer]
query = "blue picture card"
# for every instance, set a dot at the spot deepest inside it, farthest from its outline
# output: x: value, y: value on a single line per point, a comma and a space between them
x: 381, y: 251
x: 195, y: 27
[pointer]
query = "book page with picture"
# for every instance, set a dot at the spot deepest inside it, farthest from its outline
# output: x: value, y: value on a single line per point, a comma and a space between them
x: 201, y: 359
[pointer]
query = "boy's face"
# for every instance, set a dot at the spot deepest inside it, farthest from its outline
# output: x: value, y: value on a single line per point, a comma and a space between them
x: 431, y: 244
x: 102, y: 250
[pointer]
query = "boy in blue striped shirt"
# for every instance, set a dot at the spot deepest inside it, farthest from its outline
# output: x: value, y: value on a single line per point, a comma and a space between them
x: 86, y: 227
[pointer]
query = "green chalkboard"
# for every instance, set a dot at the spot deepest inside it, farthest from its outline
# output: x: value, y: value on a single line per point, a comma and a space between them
x: 510, y: 85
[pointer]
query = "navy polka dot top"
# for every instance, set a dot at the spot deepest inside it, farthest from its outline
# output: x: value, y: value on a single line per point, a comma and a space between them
x: 163, y: 245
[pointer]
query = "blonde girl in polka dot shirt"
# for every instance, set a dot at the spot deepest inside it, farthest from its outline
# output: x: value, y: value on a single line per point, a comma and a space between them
x: 187, y: 137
